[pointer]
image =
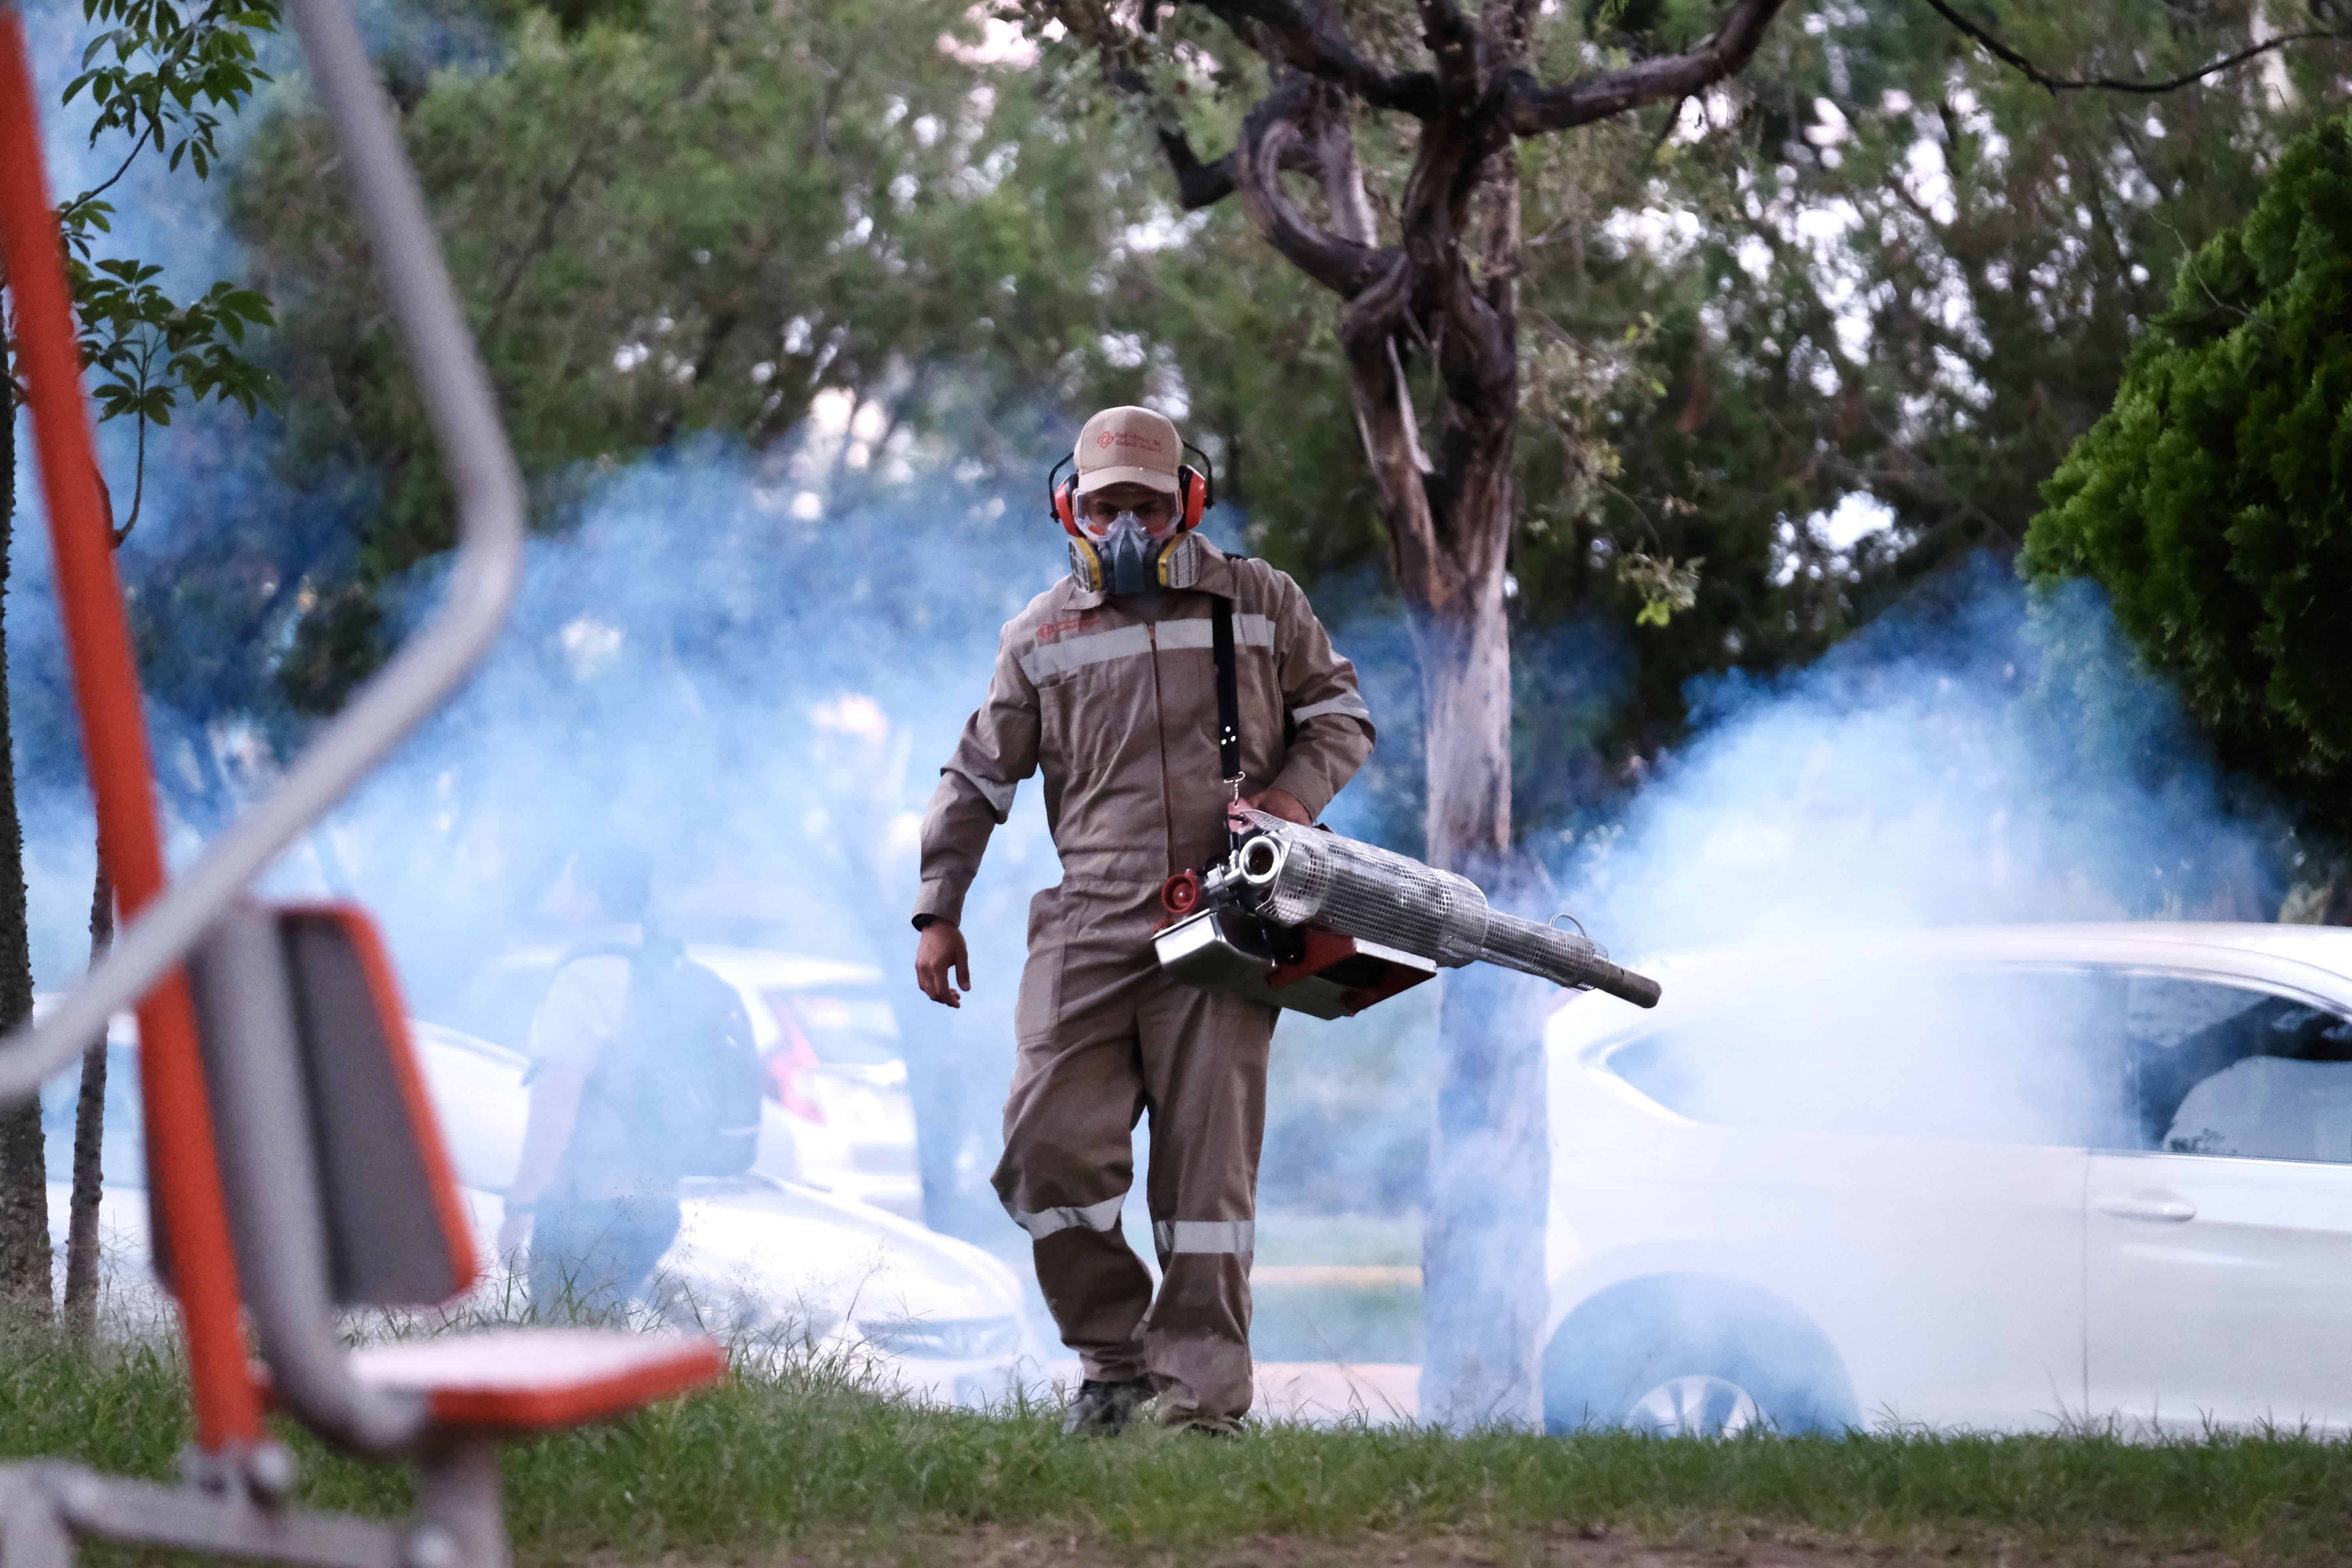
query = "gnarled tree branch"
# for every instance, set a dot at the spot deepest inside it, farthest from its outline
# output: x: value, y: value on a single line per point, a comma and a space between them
x: 2054, y: 83
x: 1271, y: 134
x: 1455, y: 46
x: 1373, y: 321
x: 1308, y: 33
x: 1530, y: 109
x: 1198, y: 184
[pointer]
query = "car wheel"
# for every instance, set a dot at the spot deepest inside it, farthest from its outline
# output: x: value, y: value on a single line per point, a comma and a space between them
x: 1698, y: 1405
x: 1693, y: 1355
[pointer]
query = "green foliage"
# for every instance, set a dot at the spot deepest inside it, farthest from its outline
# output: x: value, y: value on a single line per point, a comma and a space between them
x: 147, y: 350
x: 1883, y: 264
x: 675, y: 219
x: 170, y: 72
x: 1873, y: 264
x: 696, y: 219
x: 165, y: 80
x: 797, y: 1461
x: 1664, y: 585
x: 2212, y: 500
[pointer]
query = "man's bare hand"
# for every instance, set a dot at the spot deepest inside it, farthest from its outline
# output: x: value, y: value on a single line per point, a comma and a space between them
x: 939, y: 951
x: 1281, y: 803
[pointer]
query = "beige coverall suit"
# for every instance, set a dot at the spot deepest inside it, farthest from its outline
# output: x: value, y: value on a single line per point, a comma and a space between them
x: 1119, y: 712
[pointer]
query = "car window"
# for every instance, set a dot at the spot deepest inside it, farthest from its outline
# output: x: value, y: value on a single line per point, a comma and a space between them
x: 2011, y: 1056
x: 2218, y: 1069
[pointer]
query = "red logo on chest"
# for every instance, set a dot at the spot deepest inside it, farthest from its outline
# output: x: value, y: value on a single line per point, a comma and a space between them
x: 1053, y: 629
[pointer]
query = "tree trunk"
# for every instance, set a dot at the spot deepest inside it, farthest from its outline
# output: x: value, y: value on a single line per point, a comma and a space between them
x: 1490, y: 1154
x: 90, y: 1135
x: 1485, y: 1295
x: 1448, y: 293
x: 24, y: 1272
x: 1465, y: 652
x: 1451, y: 521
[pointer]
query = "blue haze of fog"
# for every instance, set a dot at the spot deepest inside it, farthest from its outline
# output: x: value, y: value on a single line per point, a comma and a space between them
x: 753, y: 662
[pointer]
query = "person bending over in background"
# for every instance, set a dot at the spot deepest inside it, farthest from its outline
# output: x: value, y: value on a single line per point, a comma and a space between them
x: 1108, y: 683
x: 595, y: 1214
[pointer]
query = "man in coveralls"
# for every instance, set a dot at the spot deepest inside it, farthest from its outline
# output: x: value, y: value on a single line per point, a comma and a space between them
x: 1107, y: 684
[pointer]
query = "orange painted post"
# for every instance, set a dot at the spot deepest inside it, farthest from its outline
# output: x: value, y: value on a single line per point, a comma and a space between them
x: 181, y: 1165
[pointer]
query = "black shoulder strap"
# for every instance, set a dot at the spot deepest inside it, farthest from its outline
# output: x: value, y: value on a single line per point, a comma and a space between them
x: 1229, y: 694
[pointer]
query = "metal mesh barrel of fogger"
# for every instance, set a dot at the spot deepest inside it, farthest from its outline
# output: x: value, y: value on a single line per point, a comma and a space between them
x: 1299, y: 875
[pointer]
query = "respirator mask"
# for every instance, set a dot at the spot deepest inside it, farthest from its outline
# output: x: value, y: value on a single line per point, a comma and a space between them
x: 1121, y: 557
x: 1129, y: 555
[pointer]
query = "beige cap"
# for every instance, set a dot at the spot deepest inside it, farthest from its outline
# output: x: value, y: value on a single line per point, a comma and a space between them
x: 1129, y: 447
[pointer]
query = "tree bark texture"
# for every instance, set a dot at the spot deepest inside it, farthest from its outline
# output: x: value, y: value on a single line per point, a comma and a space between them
x: 1448, y: 293
x: 1486, y: 1296
x: 1441, y: 298
x: 24, y: 1263
x: 90, y: 1136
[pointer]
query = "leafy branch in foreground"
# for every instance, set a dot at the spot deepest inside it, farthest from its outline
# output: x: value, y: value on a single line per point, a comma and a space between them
x: 144, y: 350
x: 167, y: 81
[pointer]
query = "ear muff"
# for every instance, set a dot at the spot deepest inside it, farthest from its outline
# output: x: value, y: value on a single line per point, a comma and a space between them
x: 1196, y: 488
x: 1191, y: 497
x: 1062, y: 498
x: 1196, y: 492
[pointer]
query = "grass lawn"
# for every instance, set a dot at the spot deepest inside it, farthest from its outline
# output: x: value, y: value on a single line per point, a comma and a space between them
x: 799, y: 1465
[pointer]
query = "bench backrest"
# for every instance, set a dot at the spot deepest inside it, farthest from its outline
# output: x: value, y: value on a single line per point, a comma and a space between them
x: 339, y: 1190
x: 398, y: 1233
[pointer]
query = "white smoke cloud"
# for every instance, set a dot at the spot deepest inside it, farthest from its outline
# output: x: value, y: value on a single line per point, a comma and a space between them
x: 1978, y: 754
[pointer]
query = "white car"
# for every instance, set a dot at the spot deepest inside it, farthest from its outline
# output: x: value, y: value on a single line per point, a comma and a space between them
x: 932, y: 1316
x: 1996, y: 1179
x: 830, y: 1039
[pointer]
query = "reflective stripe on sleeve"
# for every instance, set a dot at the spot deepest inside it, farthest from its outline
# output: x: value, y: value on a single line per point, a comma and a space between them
x: 1353, y: 707
x: 997, y: 792
x: 1174, y: 1235
x: 1103, y: 1216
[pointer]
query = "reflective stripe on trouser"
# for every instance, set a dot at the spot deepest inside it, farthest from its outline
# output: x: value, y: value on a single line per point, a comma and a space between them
x: 1105, y: 1040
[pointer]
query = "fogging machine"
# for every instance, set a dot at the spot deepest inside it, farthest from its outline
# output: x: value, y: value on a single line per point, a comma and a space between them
x: 1302, y: 918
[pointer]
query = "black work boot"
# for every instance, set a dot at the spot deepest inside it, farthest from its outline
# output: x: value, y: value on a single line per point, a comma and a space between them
x: 1104, y: 1409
